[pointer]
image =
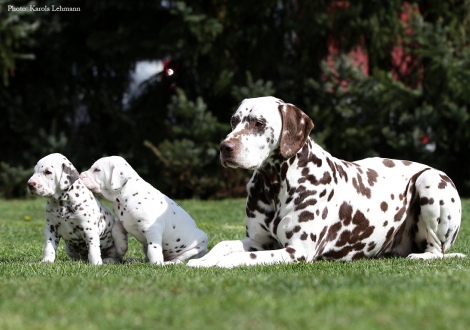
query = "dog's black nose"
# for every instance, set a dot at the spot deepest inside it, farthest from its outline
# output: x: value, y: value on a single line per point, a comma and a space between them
x: 32, y: 185
x: 226, y: 147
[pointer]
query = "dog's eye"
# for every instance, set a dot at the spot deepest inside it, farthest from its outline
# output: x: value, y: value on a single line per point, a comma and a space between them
x: 96, y: 170
x: 47, y: 172
x: 259, y: 124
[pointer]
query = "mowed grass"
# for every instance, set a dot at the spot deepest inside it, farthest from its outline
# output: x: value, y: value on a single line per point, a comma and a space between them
x: 366, y: 294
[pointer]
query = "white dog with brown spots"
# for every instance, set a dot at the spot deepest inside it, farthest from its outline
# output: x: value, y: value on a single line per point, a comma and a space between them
x: 167, y: 233
x: 87, y: 226
x: 304, y: 204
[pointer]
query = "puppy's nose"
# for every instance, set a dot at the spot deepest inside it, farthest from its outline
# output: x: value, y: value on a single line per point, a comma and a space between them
x: 31, y: 185
x: 226, y: 147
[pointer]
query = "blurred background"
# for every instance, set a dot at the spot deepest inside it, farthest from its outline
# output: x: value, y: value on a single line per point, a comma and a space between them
x: 157, y: 81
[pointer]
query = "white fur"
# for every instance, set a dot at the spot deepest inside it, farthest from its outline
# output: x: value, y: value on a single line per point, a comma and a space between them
x: 167, y: 233
x: 74, y: 214
x: 304, y: 204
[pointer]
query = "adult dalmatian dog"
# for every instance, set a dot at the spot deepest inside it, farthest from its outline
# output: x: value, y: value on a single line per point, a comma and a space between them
x: 305, y: 205
x: 167, y: 233
x: 87, y: 226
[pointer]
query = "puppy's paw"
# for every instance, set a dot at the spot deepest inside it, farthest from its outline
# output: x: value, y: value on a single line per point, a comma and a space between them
x: 48, y: 259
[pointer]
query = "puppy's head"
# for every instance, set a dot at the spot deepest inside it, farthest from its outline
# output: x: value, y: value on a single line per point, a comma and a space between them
x: 261, y: 126
x: 52, y: 175
x: 107, y: 176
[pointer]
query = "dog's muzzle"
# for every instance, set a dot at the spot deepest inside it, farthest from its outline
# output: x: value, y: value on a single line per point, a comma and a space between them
x: 31, y: 186
x: 226, y: 148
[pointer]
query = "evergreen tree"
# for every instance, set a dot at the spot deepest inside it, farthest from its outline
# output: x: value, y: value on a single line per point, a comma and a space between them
x: 409, y: 101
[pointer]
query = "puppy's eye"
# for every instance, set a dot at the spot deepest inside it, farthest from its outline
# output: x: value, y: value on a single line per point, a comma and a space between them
x: 47, y: 172
x: 259, y: 124
x: 96, y: 170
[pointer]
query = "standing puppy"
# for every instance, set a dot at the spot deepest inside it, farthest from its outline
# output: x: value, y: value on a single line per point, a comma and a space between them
x: 86, y: 225
x: 165, y: 230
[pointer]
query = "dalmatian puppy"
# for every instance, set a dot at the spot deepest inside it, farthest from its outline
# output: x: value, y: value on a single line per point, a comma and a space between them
x: 167, y: 233
x: 87, y: 226
x: 305, y: 205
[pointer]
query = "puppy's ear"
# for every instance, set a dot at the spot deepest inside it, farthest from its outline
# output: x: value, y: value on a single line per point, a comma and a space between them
x: 69, y: 176
x: 119, y: 177
x: 296, y: 127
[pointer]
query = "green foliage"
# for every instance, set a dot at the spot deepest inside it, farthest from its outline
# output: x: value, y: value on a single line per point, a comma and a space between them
x: 13, y: 180
x: 224, y: 51
x: 252, y: 89
x: 190, y: 159
x: 16, y: 29
x: 365, y: 294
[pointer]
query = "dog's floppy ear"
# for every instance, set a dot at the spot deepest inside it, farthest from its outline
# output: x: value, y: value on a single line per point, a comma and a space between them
x: 296, y: 127
x: 69, y: 176
x: 119, y: 177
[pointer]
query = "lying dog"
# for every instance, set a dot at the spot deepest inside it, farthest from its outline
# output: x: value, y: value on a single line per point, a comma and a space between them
x: 167, y: 233
x: 72, y: 212
x: 304, y: 204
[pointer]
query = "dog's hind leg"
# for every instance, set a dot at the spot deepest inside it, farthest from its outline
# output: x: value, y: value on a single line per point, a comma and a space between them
x: 438, y: 221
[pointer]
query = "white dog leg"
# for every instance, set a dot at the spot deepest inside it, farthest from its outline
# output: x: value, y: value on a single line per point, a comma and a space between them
x: 93, y: 241
x: 119, y: 235
x: 51, y: 242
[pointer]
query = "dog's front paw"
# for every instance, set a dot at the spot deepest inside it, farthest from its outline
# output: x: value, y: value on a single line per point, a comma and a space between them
x: 95, y: 261
x: 173, y: 262
x: 48, y: 259
x: 199, y: 263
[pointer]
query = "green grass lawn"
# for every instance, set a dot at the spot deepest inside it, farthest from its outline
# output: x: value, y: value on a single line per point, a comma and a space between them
x: 366, y: 294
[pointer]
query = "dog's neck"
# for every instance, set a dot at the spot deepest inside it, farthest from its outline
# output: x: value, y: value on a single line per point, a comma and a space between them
x: 275, y: 169
x: 68, y: 195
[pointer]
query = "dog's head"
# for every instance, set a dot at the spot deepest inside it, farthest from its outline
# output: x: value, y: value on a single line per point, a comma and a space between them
x: 107, y: 176
x: 53, y: 174
x: 261, y: 126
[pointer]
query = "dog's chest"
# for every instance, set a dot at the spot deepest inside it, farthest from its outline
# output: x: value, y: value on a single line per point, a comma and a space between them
x: 70, y: 218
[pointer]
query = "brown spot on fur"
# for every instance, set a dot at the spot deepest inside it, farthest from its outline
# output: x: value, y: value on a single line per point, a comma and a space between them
x: 333, y: 231
x: 425, y: 200
x: 306, y: 216
x: 388, y: 163
x: 342, y: 173
x: 371, y: 177
x: 399, y: 214
x: 360, y: 187
x: 384, y: 206
x: 445, y: 178
x: 291, y: 252
x: 324, y: 213
x: 345, y: 213
x: 330, y: 196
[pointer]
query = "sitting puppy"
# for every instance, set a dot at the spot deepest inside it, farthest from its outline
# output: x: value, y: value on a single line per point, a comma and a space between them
x: 87, y: 226
x: 167, y: 233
